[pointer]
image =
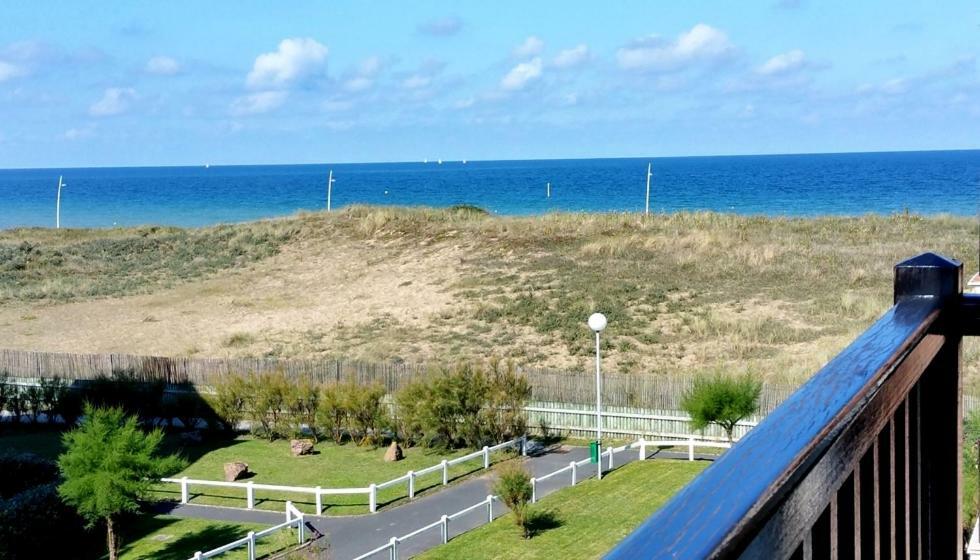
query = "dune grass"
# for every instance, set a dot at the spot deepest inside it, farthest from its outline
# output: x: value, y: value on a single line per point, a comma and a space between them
x: 684, y: 292
x: 584, y: 521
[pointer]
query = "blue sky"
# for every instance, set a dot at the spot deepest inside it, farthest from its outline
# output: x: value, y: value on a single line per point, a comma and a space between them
x: 170, y: 83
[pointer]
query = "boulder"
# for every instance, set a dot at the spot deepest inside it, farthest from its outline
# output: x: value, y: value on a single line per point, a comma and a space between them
x: 394, y: 453
x: 300, y: 447
x: 234, y: 471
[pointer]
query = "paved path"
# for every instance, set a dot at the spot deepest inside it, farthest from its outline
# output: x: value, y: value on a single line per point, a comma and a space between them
x: 351, y: 536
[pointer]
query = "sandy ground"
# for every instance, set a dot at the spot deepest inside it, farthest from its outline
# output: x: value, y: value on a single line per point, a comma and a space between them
x: 312, y: 289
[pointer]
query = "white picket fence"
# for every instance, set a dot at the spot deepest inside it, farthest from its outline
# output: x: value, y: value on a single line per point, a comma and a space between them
x: 371, y: 490
x: 294, y: 518
x: 391, y: 547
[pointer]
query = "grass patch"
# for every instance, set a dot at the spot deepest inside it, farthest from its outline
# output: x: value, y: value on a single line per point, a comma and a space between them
x: 163, y: 537
x: 583, y: 521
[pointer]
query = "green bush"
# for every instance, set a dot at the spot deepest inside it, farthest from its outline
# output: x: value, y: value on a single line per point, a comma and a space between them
x: 302, y: 403
x: 352, y: 410
x: 228, y: 400
x: 124, y: 389
x: 36, y: 524
x: 722, y: 399
x: 513, y: 487
x: 22, y: 471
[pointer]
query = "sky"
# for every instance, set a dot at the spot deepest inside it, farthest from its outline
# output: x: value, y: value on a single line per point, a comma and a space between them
x: 186, y: 83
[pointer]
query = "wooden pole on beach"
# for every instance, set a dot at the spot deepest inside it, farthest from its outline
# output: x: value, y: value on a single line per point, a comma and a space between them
x: 329, y: 188
x: 649, y: 174
x: 57, y: 204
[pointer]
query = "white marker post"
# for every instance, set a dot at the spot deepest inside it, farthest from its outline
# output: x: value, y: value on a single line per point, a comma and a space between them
x: 549, y: 190
x: 649, y: 174
x: 57, y: 207
x: 329, y: 188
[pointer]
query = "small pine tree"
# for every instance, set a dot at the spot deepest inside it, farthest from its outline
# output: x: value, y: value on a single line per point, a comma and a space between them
x: 108, y: 465
x: 513, y: 487
x: 723, y: 400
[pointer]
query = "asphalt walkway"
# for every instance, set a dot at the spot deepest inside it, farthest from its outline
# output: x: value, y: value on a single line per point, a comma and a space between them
x: 351, y: 536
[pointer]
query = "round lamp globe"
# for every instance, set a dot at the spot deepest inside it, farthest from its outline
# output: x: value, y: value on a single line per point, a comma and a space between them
x: 597, y: 322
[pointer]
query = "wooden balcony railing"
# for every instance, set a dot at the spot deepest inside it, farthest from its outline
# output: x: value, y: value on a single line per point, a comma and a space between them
x: 862, y: 462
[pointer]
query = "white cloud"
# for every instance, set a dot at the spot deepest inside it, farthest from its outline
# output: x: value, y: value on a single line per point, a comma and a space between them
x: 9, y: 71
x: 441, y: 27
x: 522, y: 74
x: 532, y: 46
x: 114, y: 101
x: 895, y: 86
x: 77, y: 133
x: 363, y: 79
x: 416, y: 81
x: 464, y: 103
x: 358, y: 83
x: 784, y: 63
x: 569, y: 58
x: 162, y: 65
x: 255, y: 103
x: 294, y: 60
x: 701, y: 43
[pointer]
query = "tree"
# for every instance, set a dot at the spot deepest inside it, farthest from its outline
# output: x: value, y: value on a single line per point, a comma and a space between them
x: 108, y: 465
x: 513, y: 487
x: 723, y: 400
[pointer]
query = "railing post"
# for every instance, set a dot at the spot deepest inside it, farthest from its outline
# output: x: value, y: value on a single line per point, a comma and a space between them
x: 534, y: 490
x: 690, y: 448
x: 373, y: 497
x: 289, y: 514
x: 198, y: 555
x: 643, y: 450
x: 486, y: 457
x: 250, y: 494
x: 933, y: 277
x: 411, y: 484
x: 183, y: 490
x: 251, y: 545
x: 574, y: 472
x: 319, y: 501
x: 489, y: 508
x: 393, y: 543
x: 445, y: 472
x: 524, y: 445
x: 445, y: 529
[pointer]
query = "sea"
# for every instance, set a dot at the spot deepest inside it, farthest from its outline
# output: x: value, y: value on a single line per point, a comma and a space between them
x: 927, y: 183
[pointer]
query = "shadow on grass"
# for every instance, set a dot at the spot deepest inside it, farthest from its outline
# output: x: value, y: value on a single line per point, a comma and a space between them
x: 539, y: 521
x: 184, y: 546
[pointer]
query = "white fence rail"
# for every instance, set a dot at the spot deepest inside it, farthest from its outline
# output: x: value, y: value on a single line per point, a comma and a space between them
x: 391, y: 547
x: 294, y: 518
x: 371, y: 490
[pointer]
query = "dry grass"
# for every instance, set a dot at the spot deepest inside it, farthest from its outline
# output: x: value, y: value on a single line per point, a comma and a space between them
x: 684, y: 292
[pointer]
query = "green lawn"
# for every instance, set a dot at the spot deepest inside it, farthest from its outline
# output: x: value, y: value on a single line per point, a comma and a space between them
x: 584, y: 521
x: 332, y: 466
x: 163, y: 537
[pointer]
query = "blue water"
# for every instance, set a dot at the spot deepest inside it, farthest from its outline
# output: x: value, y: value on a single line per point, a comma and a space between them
x: 798, y: 185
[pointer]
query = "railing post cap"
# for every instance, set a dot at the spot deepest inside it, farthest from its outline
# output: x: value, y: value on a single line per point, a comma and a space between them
x: 928, y: 275
x: 444, y: 517
x: 394, y: 540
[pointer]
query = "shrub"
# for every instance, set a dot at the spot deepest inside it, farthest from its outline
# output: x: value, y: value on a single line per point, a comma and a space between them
x: 228, y: 400
x: 513, y: 487
x: 24, y: 470
x: 265, y: 404
x: 331, y: 412
x: 302, y: 403
x: 125, y: 390
x: 34, y: 401
x: 52, y: 392
x: 723, y: 400
x: 36, y: 523
x: 366, y: 413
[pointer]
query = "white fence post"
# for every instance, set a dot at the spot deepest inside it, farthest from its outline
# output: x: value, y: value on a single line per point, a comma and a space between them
x: 643, y: 449
x: 524, y: 445
x: 486, y: 457
x: 489, y: 508
x: 373, y: 498
x: 394, y: 548
x: 289, y: 513
x: 445, y: 529
x: 197, y: 555
x: 445, y: 472
x: 411, y: 484
x: 250, y: 494
x: 302, y: 528
x: 534, y: 490
x: 574, y: 472
x: 251, y: 545
x: 319, y: 501
x: 183, y: 490
x: 690, y: 449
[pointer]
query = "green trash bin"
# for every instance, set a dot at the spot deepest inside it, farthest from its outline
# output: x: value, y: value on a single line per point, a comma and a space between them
x: 594, y: 452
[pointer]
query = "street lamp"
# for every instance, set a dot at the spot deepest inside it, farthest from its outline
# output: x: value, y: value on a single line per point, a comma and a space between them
x: 57, y: 208
x: 597, y: 322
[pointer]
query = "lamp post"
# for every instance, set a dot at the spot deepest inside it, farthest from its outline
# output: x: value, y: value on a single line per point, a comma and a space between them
x: 57, y: 205
x: 330, y: 182
x: 649, y: 174
x: 597, y: 322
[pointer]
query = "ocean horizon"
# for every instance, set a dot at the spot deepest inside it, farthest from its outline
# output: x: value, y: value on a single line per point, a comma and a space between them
x: 932, y: 182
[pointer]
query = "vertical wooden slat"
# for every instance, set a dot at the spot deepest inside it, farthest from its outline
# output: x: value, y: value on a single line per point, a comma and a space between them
x: 901, y: 480
x: 848, y: 517
x: 915, y: 472
x: 867, y: 497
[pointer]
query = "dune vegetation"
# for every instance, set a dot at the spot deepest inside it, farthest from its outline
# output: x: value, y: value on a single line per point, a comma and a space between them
x: 684, y: 292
